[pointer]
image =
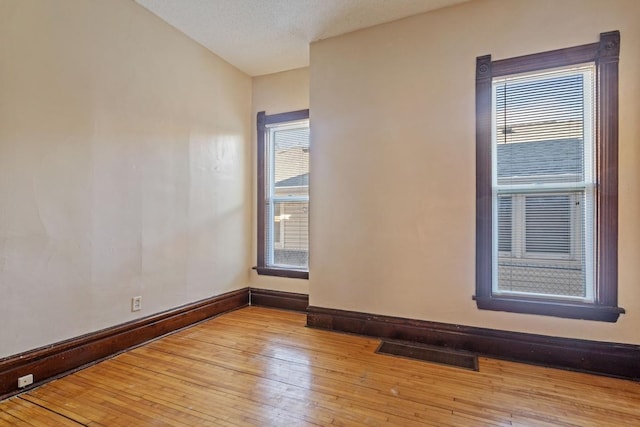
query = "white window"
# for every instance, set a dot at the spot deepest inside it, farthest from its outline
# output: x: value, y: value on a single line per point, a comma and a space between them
x: 283, y: 223
x: 543, y: 183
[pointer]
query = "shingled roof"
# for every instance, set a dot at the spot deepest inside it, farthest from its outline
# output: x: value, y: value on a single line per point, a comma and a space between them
x: 551, y: 157
x: 294, y: 181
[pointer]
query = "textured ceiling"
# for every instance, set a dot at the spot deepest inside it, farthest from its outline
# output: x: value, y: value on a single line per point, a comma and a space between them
x: 267, y: 36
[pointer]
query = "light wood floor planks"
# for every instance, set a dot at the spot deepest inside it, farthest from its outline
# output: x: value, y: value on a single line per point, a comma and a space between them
x: 258, y: 366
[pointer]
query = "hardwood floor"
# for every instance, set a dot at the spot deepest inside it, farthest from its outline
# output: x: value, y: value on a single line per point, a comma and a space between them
x: 259, y: 366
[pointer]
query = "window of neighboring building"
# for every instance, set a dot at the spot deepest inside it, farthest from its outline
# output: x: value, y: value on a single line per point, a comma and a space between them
x: 283, y: 194
x: 546, y: 165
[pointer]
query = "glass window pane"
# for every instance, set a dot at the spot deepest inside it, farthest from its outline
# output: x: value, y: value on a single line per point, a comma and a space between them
x: 546, y: 278
x: 540, y: 128
x: 291, y: 161
x: 292, y: 222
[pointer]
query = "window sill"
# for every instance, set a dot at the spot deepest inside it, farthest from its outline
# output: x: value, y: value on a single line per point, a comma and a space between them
x: 565, y: 310
x: 281, y: 272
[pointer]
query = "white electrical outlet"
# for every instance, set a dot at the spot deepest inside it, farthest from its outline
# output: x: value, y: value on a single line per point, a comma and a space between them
x: 25, y: 381
x: 136, y: 303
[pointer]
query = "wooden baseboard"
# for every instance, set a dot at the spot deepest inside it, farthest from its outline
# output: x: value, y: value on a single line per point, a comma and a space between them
x: 278, y: 299
x: 53, y: 361
x: 603, y: 358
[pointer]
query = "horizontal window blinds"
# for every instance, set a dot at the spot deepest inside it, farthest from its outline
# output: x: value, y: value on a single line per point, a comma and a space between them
x: 548, y: 224
x: 505, y: 230
x: 543, y: 183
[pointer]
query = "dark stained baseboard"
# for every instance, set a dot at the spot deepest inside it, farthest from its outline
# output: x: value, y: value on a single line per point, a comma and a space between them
x: 277, y: 299
x: 47, y: 363
x: 429, y: 353
x: 595, y: 357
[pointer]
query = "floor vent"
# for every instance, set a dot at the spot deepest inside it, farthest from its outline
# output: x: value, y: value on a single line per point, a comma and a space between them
x: 426, y: 353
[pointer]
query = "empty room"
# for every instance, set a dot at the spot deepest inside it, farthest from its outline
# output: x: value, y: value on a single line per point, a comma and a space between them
x: 319, y: 212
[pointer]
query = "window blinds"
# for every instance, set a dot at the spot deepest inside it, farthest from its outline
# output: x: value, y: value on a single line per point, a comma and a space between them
x: 543, y: 183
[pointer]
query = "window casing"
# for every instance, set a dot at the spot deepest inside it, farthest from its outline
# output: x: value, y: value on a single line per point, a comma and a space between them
x: 283, y: 194
x: 546, y: 190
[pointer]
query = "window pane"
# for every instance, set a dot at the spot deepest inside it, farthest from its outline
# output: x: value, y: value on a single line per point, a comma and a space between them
x: 551, y: 259
x: 540, y: 128
x: 291, y: 161
x: 547, y: 278
x: 292, y: 248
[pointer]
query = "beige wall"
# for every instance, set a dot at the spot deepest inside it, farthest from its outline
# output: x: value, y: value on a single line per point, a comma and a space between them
x: 124, y: 169
x: 393, y: 159
x: 127, y: 164
x: 276, y: 93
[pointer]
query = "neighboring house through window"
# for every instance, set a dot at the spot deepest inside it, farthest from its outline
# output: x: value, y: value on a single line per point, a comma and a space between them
x: 547, y: 182
x: 283, y: 194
